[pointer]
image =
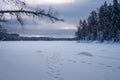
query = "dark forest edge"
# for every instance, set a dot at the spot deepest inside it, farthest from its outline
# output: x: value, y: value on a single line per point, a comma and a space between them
x: 16, y: 37
x: 102, y: 24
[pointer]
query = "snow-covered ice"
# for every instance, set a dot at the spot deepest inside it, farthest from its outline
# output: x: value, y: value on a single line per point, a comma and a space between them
x: 59, y: 60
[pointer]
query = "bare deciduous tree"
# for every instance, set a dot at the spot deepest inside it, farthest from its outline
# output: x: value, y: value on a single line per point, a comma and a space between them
x: 19, y: 12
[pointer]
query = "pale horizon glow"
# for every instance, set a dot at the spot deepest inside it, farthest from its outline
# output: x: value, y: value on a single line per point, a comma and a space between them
x: 69, y: 10
x: 37, y: 2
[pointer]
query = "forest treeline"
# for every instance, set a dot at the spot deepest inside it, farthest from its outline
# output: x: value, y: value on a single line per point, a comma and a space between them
x: 102, y: 24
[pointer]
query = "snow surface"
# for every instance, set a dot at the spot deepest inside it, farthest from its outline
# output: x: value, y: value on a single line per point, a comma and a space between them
x: 59, y: 60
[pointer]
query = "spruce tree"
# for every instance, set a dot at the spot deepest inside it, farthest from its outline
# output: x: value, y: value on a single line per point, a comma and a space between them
x: 78, y: 34
x: 92, y: 25
x: 115, y: 20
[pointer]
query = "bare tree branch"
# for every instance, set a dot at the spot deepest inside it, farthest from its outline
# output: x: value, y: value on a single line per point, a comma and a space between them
x: 32, y: 12
x: 20, y: 12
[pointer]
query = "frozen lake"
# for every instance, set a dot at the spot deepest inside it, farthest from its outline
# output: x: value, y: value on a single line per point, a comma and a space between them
x: 59, y: 60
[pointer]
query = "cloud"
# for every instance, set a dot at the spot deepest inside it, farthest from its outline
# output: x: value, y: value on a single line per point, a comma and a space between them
x: 71, y: 12
x: 39, y: 2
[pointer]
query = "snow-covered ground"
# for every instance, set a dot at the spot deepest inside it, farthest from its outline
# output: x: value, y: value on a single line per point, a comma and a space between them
x: 59, y: 60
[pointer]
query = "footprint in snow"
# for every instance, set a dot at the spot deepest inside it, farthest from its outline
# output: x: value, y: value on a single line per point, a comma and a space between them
x: 73, y: 61
x: 102, y: 50
x: 60, y: 64
x: 109, y: 66
x: 83, y: 62
x: 101, y: 63
x: 69, y: 60
x: 58, y: 74
x: 59, y: 78
x: 119, y: 67
x: 50, y: 74
x: 85, y: 54
x: 39, y: 51
x: 56, y: 77
x: 89, y: 63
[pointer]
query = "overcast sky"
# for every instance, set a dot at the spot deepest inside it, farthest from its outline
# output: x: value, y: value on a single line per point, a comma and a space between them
x: 70, y: 10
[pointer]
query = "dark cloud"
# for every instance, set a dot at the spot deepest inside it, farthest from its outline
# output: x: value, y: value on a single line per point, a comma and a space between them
x: 79, y: 10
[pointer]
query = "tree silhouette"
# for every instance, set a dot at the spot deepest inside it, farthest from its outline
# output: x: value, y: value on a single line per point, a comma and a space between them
x: 19, y: 11
x: 102, y: 25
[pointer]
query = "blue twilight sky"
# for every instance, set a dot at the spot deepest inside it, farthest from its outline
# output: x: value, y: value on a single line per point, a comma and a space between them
x: 70, y: 10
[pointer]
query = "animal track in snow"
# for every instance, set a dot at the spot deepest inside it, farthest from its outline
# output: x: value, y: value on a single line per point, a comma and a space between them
x: 54, y: 64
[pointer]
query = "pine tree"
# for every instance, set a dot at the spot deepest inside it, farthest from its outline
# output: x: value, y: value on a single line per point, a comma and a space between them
x: 92, y: 25
x: 104, y: 22
x: 115, y: 20
x: 78, y: 34
x: 84, y: 30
